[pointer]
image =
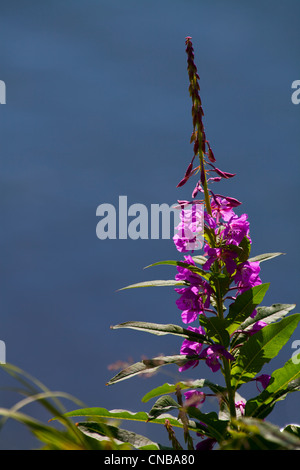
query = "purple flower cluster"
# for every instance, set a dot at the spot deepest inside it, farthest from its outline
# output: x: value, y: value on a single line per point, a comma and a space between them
x: 211, y: 354
x: 194, y: 398
x: 226, y: 234
x: 213, y: 225
x: 229, y: 229
x: 195, y: 298
x: 191, y: 348
x: 247, y: 275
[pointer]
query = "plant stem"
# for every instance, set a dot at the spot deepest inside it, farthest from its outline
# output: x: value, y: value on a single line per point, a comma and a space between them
x: 203, y: 174
x: 226, y: 365
x: 230, y: 391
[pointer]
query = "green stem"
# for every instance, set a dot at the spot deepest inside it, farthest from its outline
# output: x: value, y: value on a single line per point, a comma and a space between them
x: 230, y: 391
x: 206, y: 195
x: 226, y: 365
x: 204, y: 182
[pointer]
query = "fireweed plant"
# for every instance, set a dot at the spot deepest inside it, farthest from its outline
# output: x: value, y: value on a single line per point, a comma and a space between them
x: 224, y: 326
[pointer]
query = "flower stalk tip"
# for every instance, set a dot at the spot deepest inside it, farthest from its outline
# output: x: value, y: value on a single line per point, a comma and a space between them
x: 224, y: 231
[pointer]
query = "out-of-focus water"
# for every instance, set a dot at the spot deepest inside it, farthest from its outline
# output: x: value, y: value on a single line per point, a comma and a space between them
x: 97, y: 106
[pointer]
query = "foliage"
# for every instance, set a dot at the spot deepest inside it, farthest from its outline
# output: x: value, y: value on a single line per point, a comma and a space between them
x: 220, y: 295
x: 221, y: 291
x: 66, y: 436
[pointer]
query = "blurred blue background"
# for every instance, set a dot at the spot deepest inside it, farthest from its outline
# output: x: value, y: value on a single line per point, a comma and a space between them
x: 97, y: 107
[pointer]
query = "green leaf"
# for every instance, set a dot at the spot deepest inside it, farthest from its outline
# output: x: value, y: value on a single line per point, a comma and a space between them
x: 199, y: 259
x: 261, y: 348
x: 242, y: 250
x: 209, y: 235
x: 150, y: 365
x: 264, y: 257
x: 293, y: 429
x: 54, y: 438
x: 126, y: 415
x: 157, y: 283
x: 224, y: 411
x: 268, y: 314
x: 104, y: 432
x: 282, y: 382
x: 188, y: 266
x: 163, y: 405
x: 171, y: 388
x: 215, y: 329
x: 158, y: 329
x: 220, y: 283
x: 246, y: 248
x: 255, y: 434
x: 213, y: 426
x: 244, y: 305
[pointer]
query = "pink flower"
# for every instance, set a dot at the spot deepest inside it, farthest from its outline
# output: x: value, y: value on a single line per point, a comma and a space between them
x: 221, y: 208
x: 190, y: 303
x: 206, y: 444
x: 236, y: 229
x: 212, y: 355
x: 240, y: 405
x: 257, y: 327
x: 195, y: 298
x: 184, y: 274
x: 264, y: 379
x: 247, y: 275
x: 194, y: 397
x: 191, y: 348
x: 220, y: 254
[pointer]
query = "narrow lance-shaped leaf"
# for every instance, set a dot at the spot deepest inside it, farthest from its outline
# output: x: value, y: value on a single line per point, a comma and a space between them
x: 156, y: 283
x: 163, y: 405
x: 47, y: 434
x: 199, y: 259
x: 215, y: 329
x: 256, y: 434
x: 140, y: 416
x: 182, y: 264
x: 246, y: 248
x: 269, y: 314
x: 244, y: 305
x: 266, y: 314
x: 103, y: 431
x: 265, y: 257
x: 293, y: 429
x: 282, y: 382
x: 215, y: 427
x: 158, y: 329
x: 150, y: 365
x: 261, y: 348
x: 171, y: 388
